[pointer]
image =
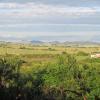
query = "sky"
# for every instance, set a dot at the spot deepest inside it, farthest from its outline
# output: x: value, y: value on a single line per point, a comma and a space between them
x: 50, y: 20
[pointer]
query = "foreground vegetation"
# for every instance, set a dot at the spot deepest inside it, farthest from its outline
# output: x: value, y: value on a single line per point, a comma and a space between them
x: 63, y: 75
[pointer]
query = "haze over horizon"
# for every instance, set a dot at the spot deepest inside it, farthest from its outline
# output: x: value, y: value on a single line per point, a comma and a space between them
x: 50, y: 20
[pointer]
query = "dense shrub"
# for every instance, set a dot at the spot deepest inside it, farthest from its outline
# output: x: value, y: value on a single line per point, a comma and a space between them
x: 80, y: 53
x: 63, y: 79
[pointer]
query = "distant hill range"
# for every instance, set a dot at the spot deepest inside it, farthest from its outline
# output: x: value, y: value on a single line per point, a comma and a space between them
x: 57, y: 43
x: 66, y: 43
x: 36, y: 42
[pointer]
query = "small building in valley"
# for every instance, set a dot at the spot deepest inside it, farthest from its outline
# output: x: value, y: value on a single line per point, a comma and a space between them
x: 95, y: 55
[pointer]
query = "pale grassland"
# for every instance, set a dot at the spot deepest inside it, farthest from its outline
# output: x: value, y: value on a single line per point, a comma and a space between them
x: 35, y: 55
x: 29, y: 49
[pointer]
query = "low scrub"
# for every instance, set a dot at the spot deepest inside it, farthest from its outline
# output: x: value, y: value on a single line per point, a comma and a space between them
x: 63, y: 79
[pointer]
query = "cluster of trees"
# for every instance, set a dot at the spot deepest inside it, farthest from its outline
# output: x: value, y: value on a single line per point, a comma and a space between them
x: 63, y: 79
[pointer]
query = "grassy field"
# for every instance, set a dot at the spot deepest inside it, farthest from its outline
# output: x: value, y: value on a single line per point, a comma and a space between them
x: 35, y: 55
x: 25, y: 49
x: 45, y: 53
x: 49, y: 72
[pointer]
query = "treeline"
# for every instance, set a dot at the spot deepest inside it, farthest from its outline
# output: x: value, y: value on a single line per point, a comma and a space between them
x: 64, y: 79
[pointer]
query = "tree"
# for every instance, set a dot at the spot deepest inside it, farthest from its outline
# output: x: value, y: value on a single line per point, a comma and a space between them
x: 9, y: 72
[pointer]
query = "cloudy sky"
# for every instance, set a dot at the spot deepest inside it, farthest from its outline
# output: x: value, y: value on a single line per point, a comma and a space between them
x: 50, y: 20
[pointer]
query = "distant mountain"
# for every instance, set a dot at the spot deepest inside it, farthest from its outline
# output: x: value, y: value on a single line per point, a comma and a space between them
x: 58, y: 43
x: 54, y: 42
x: 66, y: 43
x: 81, y: 43
x: 36, y: 42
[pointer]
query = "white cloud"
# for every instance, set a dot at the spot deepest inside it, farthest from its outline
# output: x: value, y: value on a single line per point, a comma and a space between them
x: 71, y: 36
x: 36, y: 9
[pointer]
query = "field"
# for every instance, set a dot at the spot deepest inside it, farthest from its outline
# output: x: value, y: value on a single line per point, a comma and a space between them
x: 49, y: 72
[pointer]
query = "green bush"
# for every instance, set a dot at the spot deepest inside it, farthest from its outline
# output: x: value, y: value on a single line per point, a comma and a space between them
x: 80, y: 53
x: 63, y: 79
